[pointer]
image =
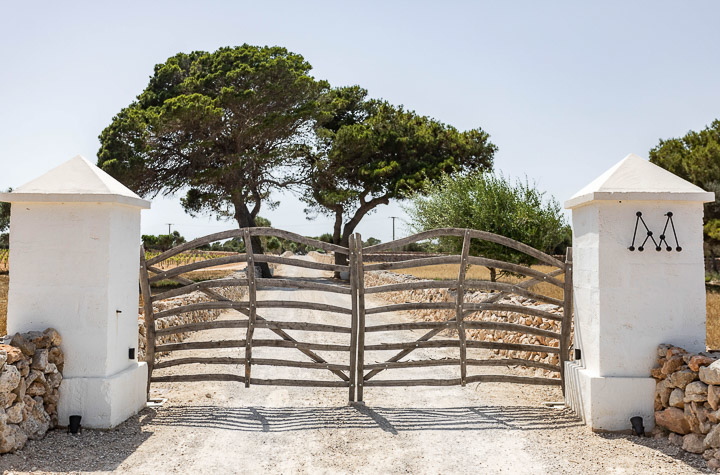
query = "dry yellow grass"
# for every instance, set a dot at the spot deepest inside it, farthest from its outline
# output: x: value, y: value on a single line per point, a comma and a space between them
x: 712, y: 330
x: 450, y: 272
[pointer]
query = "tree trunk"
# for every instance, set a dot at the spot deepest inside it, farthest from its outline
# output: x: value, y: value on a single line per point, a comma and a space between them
x: 245, y: 219
x: 493, y: 274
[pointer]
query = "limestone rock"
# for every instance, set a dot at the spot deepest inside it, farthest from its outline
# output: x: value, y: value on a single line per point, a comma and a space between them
x: 710, y: 374
x: 54, y: 336
x: 9, y: 379
x: 27, y: 347
x: 55, y: 355
x: 693, y: 443
x: 3, y: 359
x: 662, y: 392
x: 675, y: 439
x: 712, y: 439
x: 23, y: 366
x: 708, y: 454
x: 36, y: 389
x: 714, y: 396
x: 699, y: 360
x: 15, y: 413
x: 677, y: 397
x: 680, y: 379
x: 672, y: 365
x: 696, y: 391
x: 13, y: 354
x: 674, y: 420
x: 20, y: 389
x: 54, y: 379
x: 663, y: 349
x: 37, y: 422
x: 713, y: 464
x: 40, y: 360
x: 11, y: 438
x: 657, y: 373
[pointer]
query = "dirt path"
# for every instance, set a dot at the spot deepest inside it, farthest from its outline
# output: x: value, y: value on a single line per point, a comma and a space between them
x: 226, y: 428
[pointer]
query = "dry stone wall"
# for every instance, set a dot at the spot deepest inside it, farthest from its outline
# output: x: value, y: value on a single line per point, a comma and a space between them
x: 687, y: 401
x: 234, y: 293
x: 31, y: 367
x: 375, y: 278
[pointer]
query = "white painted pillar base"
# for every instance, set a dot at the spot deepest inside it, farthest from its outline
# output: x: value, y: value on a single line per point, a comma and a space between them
x: 631, y: 293
x: 608, y: 403
x: 105, y: 402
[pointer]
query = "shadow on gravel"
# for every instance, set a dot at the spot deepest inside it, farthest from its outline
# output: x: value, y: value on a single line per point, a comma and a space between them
x: 89, y: 451
x: 393, y: 420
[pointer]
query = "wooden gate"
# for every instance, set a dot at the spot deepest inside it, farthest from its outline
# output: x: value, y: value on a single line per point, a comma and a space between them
x: 348, y: 361
x: 499, y: 298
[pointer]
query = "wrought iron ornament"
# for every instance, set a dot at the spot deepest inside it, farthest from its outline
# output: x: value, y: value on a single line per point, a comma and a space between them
x: 649, y: 234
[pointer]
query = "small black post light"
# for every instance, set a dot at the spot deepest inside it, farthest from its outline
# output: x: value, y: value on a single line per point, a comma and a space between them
x: 131, y: 353
x: 578, y: 354
x: 74, y: 426
x: 637, y: 426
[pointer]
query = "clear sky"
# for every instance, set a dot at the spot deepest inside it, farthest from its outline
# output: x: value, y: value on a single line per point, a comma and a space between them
x: 564, y: 88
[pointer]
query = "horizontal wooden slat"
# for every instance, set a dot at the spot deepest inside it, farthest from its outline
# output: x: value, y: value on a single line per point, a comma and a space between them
x: 301, y: 284
x: 506, y: 378
x: 200, y: 360
x: 493, y: 345
x: 213, y: 305
x: 510, y: 327
x: 218, y: 261
x: 255, y: 361
x: 474, y: 234
x: 515, y: 268
x: 411, y: 326
x: 326, y: 246
x: 193, y: 327
x: 504, y: 307
x: 189, y: 378
x: 200, y: 345
x: 412, y: 382
x: 411, y: 306
x: 208, y: 284
x: 303, y: 305
x: 299, y: 263
x: 423, y: 284
x: 511, y: 289
x: 487, y: 345
x: 426, y: 261
x: 241, y: 379
x: 299, y: 382
x: 469, y: 362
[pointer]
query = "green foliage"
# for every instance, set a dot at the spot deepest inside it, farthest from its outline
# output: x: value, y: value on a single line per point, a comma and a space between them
x: 369, y: 152
x: 5, y: 214
x: 491, y: 203
x: 225, y: 126
x: 371, y: 241
x: 162, y: 242
x: 696, y: 158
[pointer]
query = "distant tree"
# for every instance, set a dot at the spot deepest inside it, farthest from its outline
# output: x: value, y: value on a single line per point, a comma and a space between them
x: 222, y: 126
x: 369, y: 152
x: 492, y: 203
x: 371, y: 241
x: 5, y: 214
x: 162, y: 242
x: 696, y: 158
x: 5, y: 223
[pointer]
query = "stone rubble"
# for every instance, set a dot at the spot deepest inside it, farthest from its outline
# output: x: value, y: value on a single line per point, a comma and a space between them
x: 687, y: 401
x: 375, y: 278
x: 31, y: 366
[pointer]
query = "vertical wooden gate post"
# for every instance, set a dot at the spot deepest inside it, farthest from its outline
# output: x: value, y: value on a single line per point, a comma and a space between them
x: 360, y: 270
x: 252, y: 297
x: 149, y: 318
x: 354, y: 325
x: 459, y: 304
x: 567, y: 316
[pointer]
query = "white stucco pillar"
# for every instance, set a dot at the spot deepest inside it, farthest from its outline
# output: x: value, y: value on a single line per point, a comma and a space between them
x: 627, y: 300
x: 74, y: 258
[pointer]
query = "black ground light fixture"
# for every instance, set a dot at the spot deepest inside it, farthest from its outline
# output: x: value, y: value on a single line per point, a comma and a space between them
x: 74, y: 426
x: 637, y: 426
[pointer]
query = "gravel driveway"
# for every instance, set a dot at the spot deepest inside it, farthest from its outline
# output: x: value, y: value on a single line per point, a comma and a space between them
x: 226, y: 428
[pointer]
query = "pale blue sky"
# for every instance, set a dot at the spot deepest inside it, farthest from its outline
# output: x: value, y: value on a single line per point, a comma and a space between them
x: 564, y: 88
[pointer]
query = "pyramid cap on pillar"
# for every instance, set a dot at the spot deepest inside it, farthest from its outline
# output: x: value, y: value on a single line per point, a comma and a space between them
x: 75, y: 181
x: 635, y: 178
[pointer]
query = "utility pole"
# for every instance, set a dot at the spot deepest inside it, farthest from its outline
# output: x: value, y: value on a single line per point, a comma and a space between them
x: 393, y: 218
x: 169, y: 224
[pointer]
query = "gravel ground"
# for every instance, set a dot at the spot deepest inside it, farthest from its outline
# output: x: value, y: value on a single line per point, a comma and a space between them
x: 226, y: 428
